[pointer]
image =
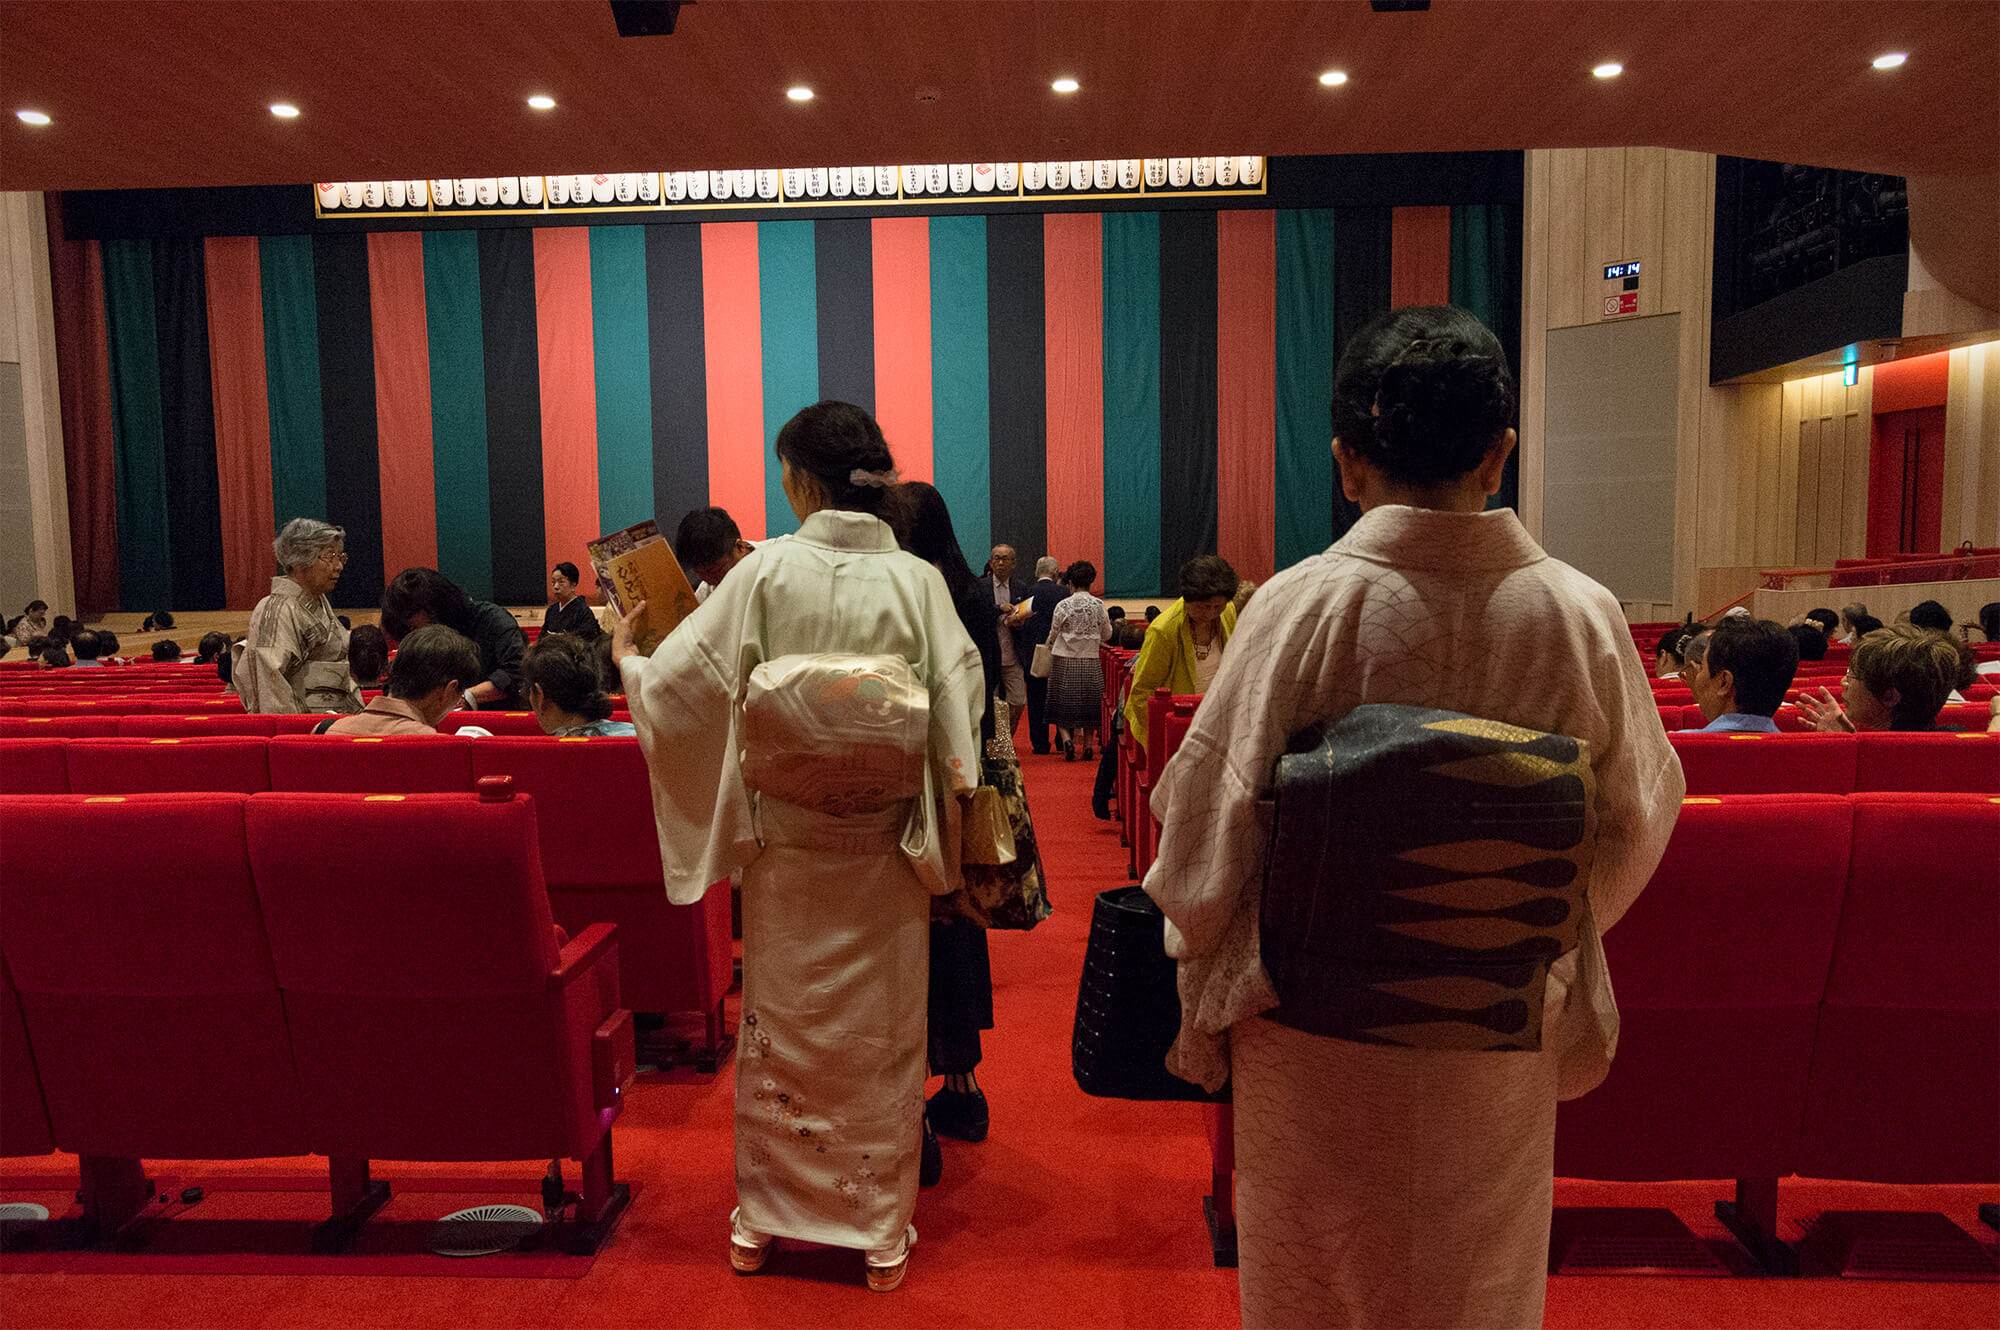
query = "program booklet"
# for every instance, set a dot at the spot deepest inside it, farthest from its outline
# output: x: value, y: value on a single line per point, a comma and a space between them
x: 638, y: 564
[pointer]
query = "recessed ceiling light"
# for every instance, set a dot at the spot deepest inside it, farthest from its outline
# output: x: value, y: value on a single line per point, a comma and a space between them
x: 1610, y: 69
x: 284, y: 110
x: 1333, y: 78
x: 1891, y: 60
x: 542, y: 103
x: 32, y: 117
x: 1065, y: 85
x: 800, y: 94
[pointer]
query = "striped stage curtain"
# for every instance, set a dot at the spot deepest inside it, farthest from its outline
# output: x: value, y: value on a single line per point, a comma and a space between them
x: 1131, y: 388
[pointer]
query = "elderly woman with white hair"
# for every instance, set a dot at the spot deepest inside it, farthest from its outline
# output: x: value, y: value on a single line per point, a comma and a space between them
x: 295, y: 657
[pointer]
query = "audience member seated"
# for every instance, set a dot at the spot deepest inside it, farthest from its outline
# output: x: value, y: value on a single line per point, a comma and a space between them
x: 166, y: 651
x: 157, y: 622
x: 568, y: 611
x: 1897, y: 679
x: 62, y: 628
x: 1989, y: 628
x: 708, y: 544
x: 1849, y: 613
x: 1828, y: 620
x: 1694, y: 649
x: 1862, y: 625
x: 419, y: 596
x: 1931, y: 615
x: 1742, y: 682
x: 34, y: 620
x: 565, y: 688
x: 367, y: 655
x: 1811, y: 640
x: 427, y: 682
x: 88, y: 644
x: 107, y: 648
x: 211, y: 647
x: 53, y: 656
x: 1667, y: 660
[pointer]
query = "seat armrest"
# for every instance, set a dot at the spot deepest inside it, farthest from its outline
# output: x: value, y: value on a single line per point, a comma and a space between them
x: 582, y: 952
x: 612, y: 1060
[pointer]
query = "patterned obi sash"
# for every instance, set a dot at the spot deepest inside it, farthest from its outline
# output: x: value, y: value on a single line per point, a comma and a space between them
x: 1424, y: 870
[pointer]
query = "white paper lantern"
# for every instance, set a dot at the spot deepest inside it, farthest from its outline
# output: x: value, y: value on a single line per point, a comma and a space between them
x: 558, y: 190
x: 625, y: 187
x: 767, y: 183
x: 677, y: 186
x: 1103, y: 173
x: 1225, y: 172
x: 395, y: 194
x: 913, y: 181
x: 328, y: 193
x: 1204, y: 172
x: 510, y: 190
x: 486, y: 190
x: 1250, y: 170
x: 531, y: 190
x: 982, y: 177
x: 721, y: 184
x: 961, y: 177
x: 862, y: 180
x: 440, y: 193
x: 795, y: 182
x: 1180, y: 170
x: 350, y: 193
x: 697, y: 182
x: 885, y: 181
x: 1156, y: 172
x: 1036, y: 175
x: 840, y: 181
x: 1128, y: 173
x: 935, y: 178
x: 744, y: 183
x: 1007, y: 177
x: 649, y: 187
x: 419, y: 193
x: 816, y: 182
x: 1079, y: 174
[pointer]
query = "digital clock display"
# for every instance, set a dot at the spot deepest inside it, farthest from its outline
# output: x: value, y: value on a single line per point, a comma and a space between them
x: 1616, y: 270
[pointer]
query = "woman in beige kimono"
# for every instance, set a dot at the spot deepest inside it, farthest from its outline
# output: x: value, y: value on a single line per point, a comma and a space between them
x: 295, y: 657
x: 1380, y: 1185
x: 836, y: 909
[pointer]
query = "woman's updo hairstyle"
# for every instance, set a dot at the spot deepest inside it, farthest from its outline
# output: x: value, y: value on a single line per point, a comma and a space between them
x: 564, y: 667
x: 834, y: 442
x: 1423, y: 393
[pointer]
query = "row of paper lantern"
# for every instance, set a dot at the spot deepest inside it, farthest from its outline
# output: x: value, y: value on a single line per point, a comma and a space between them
x: 816, y: 182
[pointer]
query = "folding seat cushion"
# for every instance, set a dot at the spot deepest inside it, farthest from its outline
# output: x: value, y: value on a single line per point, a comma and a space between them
x: 296, y: 722
x: 1733, y: 763
x: 33, y: 766
x: 1966, y: 763
x: 233, y: 765
x: 70, y: 704
x: 1905, y: 1083
x: 202, y: 703
x: 145, y: 982
x: 601, y: 860
x: 387, y: 764
x: 58, y: 727
x: 190, y: 726
x: 24, y: 1120
x: 522, y: 723
x: 1719, y: 967
x: 429, y: 1006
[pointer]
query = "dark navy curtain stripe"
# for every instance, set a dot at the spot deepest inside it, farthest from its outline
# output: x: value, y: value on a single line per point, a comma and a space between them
x: 347, y: 407
x: 679, y: 373
x: 513, y: 414
x: 1188, y: 401
x: 1362, y: 251
x: 1016, y: 337
x: 187, y: 426
x: 844, y: 284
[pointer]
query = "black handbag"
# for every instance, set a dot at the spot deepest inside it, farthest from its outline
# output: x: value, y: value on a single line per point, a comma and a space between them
x: 1128, y: 1010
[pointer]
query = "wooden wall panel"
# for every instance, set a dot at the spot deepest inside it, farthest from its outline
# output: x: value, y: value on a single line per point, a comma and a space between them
x: 1645, y: 222
x: 1603, y: 226
x: 1972, y: 447
x: 1806, y: 434
x: 1534, y: 334
x: 1564, y: 258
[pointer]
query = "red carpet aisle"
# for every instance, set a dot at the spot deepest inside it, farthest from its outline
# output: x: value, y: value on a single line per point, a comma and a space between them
x: 1074, y: 1212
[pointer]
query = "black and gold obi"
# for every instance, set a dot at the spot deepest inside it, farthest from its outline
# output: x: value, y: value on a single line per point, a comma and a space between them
x: 1424, y: 869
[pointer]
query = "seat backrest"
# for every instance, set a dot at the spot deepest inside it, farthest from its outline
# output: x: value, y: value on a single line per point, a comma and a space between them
x: 33, y: 766
x: 24, y: 1118
x: 370, y: 764
x: 493, y: 722
x: 192, y: 726
x: 58, y: 727
x: 196, y: 704
x: 235, y: 765
x: 413, y: 941
x: 1670, y: 717
x: 1906, y: 1064
x: 1964, y: 715
x: 593, y: 805
x: 146, y: 984
x: 1735, y: 763
x: 1966, y: 763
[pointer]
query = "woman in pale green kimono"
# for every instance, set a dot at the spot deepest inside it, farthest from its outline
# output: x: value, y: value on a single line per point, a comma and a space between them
x: 836, y: 910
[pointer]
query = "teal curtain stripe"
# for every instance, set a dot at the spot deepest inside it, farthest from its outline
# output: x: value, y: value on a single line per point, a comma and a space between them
x: 1132, y: 404
x: 458, y: 410
x: 961, y: 397
x: 788, y: 309
x: 291, y: 377
x: 1304, y: 383
x: 624, y: 376
x: 139, y: 446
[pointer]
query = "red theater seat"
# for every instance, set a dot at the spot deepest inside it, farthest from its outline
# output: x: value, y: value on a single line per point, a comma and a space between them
x: 194, y: 726
x: 33, y: 766
x: 601, y: 860
x: 432, y: 1015
x: 24, y: 1121
x: 145, y: 981
x: 1966, y: 763
x: 1767, y: 763
x: 1719, y: 968
x: 234, y: 765
x: 58, y: 727
x: 398, y: 764
x: 1905, y: 1083
x: 519, y: 723
x: 1670, y: 717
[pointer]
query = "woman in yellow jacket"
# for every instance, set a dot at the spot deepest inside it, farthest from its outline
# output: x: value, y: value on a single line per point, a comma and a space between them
x: 1183, y: 647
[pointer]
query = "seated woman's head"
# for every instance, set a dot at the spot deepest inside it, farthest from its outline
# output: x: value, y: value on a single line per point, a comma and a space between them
x: 562, y: 581
x: 210, y: 646
x: 367, y: 654
x: 166, y: 649
x: 1081, y: 575
x: 563, y: 683
x: 1989, y: 620
x: 1898, y: 678
x: 834, y: 456
x: 1932, y: 615
x: 1208, y: 584
x: 417, y: 596
x: 433, y: 668
x: 1423, y: 410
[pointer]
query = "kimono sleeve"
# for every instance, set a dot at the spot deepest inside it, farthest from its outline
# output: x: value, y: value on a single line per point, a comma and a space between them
x: 275, y: 650
x: 1639, y: 778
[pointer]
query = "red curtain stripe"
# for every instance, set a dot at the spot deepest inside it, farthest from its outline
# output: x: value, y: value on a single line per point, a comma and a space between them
x: 566, y: 348
x: 243, y: 415
x: 1246, y: 391
x: 733, y: 337
x: 1420, y: 256
x: 1073, y: 328
x: 903, y: 340
x: 402, y: 400
x: 76, y: 272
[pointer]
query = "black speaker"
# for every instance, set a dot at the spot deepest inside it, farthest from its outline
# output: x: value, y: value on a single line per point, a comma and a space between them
x: 645, y: 18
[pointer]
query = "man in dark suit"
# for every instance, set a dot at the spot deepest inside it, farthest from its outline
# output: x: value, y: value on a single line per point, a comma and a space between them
x: 1034, y: 631
x: 568, y: 612
x: 1012, y: 604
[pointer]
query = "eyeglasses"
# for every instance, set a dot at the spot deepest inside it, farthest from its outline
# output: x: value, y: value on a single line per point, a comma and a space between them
x: 334, y: 557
